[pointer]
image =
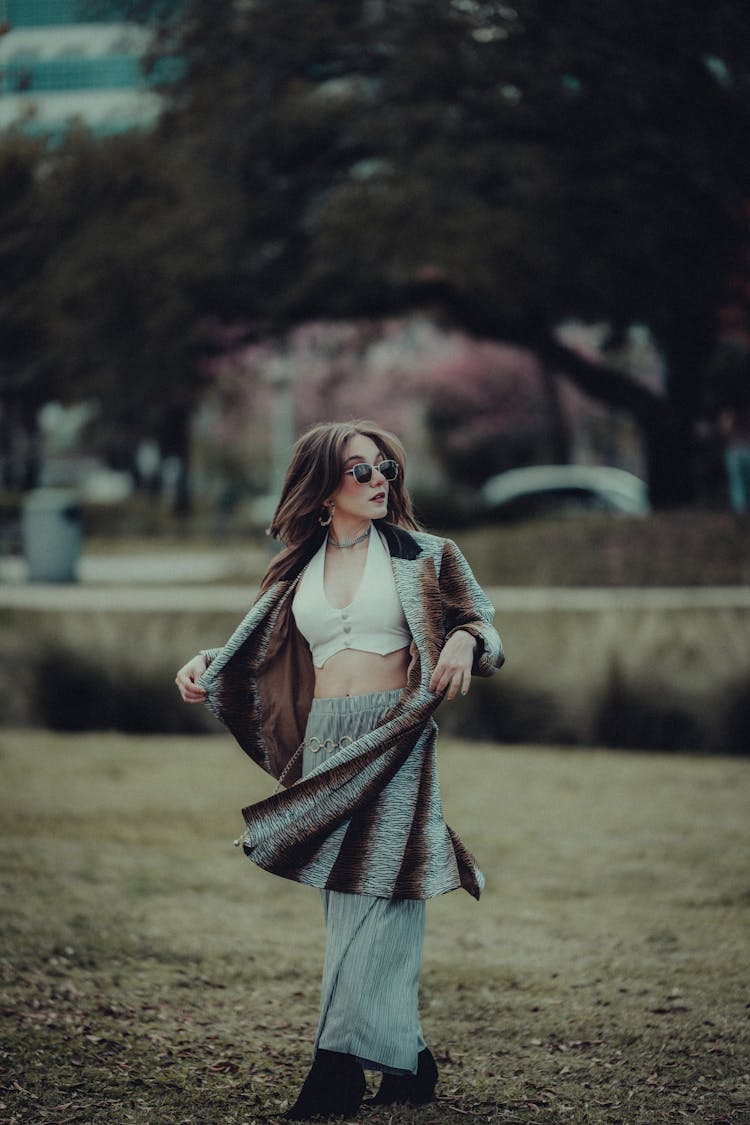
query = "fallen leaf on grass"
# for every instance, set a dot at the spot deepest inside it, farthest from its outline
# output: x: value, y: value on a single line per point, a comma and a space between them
x: 224, y: 1066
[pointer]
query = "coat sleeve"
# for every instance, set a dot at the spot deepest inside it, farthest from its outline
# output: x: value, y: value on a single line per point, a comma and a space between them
x: 467, y: 607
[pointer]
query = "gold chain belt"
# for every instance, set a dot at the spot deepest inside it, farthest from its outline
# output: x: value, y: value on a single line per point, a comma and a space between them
x: 314, y: 745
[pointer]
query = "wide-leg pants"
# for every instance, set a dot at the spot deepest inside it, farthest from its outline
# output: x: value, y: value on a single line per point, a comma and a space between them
x: 370, y: 991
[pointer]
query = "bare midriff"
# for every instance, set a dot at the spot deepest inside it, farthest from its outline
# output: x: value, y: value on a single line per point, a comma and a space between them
x: 354, y: 672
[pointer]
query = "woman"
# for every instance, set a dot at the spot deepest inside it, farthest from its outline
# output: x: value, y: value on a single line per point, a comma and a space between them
x: 362, y: 626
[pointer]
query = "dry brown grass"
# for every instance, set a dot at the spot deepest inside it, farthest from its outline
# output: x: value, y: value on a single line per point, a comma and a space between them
x: 151, y: 974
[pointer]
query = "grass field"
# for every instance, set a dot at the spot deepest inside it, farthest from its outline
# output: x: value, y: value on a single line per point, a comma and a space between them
x: 150, y: 973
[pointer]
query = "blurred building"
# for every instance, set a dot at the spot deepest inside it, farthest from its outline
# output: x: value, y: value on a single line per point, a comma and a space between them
x: 63, y: 61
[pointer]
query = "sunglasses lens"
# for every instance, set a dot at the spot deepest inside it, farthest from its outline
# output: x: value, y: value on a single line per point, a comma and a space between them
x: 362, y: 473
x: 389, y: 469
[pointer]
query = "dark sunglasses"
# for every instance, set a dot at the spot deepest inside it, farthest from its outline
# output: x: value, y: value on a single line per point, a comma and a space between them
x: 362, y: 473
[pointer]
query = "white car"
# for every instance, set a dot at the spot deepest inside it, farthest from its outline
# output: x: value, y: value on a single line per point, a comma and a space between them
x: 559, y: 489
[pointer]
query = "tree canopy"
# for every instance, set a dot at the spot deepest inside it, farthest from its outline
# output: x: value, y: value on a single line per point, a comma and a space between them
x: 540, y: 160
x: 506, y: 165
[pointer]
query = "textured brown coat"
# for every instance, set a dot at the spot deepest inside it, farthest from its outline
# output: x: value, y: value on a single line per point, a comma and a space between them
x: 369, y: 819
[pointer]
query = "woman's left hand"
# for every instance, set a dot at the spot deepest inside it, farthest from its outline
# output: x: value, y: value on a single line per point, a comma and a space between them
x: 453, y: 670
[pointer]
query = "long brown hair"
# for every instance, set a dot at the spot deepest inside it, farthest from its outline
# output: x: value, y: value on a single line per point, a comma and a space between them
x: 313, y: 474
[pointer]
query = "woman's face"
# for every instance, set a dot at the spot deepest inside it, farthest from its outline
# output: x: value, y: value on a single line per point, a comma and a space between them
x: 361, y: 501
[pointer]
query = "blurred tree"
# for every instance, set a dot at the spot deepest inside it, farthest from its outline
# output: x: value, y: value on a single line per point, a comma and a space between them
x: 105, y: 247
x: 23, y: 253
x: 504, y: 165
x: 117, y: 302
x: 488, y: 405
x: 530, y: 161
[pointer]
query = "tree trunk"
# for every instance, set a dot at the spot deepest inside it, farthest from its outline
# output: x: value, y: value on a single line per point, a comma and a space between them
x: 175, y: 441
x: 669, y: 461
x: 560, y: 443
x: 671, y: 438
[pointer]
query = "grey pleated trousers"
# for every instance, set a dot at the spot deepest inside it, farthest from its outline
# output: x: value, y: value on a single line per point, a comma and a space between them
x: 370, y: 991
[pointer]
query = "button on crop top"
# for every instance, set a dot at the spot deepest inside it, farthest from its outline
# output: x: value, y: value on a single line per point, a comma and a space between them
x: 372, y: 622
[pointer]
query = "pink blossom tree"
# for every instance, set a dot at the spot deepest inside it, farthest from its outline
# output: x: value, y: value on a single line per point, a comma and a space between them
x: 466, y: 406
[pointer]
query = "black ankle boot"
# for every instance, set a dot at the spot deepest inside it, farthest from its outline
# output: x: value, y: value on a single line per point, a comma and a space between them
x: 333, y: 1088
x: 418, y: 1089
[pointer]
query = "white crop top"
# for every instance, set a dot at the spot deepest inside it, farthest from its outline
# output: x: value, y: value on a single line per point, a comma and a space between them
x: 372, y: 622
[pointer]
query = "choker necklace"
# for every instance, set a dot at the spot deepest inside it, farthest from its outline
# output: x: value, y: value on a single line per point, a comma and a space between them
x: 349, y: 542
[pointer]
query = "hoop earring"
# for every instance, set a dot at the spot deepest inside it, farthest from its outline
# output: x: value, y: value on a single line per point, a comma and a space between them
x: 321, y: 521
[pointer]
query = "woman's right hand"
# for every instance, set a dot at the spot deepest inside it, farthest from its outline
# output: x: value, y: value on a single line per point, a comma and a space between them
x: 187, y: 680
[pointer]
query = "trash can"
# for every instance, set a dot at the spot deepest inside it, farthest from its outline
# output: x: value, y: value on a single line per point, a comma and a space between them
x: 51, y: 535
